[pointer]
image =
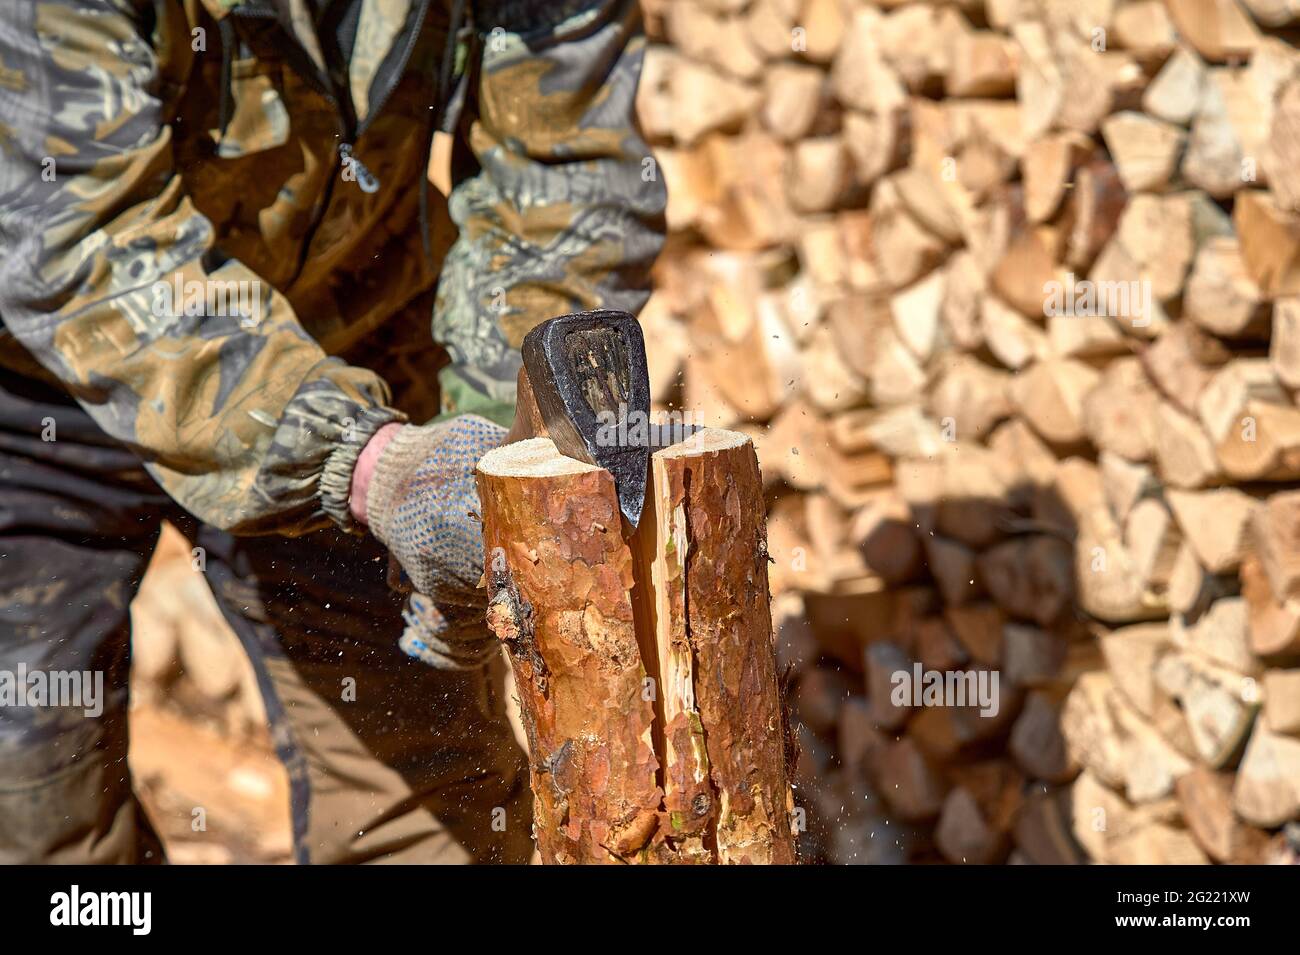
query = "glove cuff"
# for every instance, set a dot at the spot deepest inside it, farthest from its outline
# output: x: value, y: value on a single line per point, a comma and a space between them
x: 403, y: 454
x: 336, y: 476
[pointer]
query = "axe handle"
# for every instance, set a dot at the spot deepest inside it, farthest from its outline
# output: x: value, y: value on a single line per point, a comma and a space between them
x: 528, y: 421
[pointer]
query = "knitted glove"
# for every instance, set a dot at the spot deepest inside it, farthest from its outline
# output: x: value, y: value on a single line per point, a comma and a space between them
x: 420, y: 504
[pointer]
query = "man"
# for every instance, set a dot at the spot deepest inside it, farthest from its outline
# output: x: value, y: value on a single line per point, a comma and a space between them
x: 217, y: 267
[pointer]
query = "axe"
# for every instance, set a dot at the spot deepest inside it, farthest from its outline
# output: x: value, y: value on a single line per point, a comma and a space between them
x: 584, y: 384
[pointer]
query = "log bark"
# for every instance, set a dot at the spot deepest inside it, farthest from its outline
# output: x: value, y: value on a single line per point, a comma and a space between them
x: 560, y: 578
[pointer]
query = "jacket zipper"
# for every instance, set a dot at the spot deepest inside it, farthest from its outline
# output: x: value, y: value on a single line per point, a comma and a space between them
x: 348, y: 131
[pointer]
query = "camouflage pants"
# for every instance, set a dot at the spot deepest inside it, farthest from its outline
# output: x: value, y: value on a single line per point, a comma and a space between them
x: 418, y: 765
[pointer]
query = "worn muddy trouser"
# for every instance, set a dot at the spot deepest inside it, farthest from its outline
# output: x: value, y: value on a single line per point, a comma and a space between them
x: 420, y: 767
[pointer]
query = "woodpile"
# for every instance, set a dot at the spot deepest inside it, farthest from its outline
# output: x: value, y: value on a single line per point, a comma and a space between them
x: 1007, y: 295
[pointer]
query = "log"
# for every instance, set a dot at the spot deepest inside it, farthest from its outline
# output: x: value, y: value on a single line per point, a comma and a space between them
x: 1175, y: 94
x: 1221, y: 297
x: 634, y: 756
x: 1250, y: 419
x: 1282, y: 701
x: 1219, y: 704
x: 1145, y: 29
x: 1042, y: 830
x: 1206, y: 800
x: 1125, y: 484
x: 553, y: 576
x: 1047, y: 167
x: 1284, y: 346
x: 1036, y: 741
x: 907, y: 782
x: 1274, y: 622
x: 714, y: 643
x: 1266, y: 791
x: 1184, y: 452
x: 1216, y: 524
x: 1270, y: 242
x: 1114, y: 415
x: 1182, y: 362
x: 1030, y: 577
x: 964, y: 836
x: 1276, y: 535
x: 1219, y: 30
x: 1146, y: 150
x: 1050, y: 394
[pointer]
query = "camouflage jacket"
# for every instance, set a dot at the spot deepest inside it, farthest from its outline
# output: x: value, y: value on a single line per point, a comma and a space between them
x: 211, y: 220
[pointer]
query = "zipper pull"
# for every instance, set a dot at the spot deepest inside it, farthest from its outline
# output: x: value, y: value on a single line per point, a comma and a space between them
x: 360, y: 174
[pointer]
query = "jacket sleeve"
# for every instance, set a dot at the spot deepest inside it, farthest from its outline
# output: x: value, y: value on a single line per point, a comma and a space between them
x: 242, y: 418
x: 559, y: 203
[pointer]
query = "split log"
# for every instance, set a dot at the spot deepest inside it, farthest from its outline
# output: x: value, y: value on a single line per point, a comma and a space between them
x: 885, y: 537
x: 964, y: 836
x: 1276, y: 537
x: 1270, y: 242
x: 883, y: 660
x: 1284, y: 346
x: 1125, y: 484
x: 1031, y: 577
x: 1042, y: 830
x: 1131, y: 654
x: 1050, y: 395
x: 1182, y: 362
x: 1250, y: 419
x: 1145, y: 29
x: 689, y: 769
x: 1221, y: 297
x: 1220, y: 30
x: 1184, y: 451
x: 1047, y: 167
x: 1036, y: 741
x: 1220, y: 705
x: 1216, y: 523
x: 1274, y: 622
x: 561, y: 581
x: 1220, y: 636
x: 1146, y: 150
x: 1267, y: 788
x: 1115, y: 415
x: 1206, y: 800
x: 1282, y: 701
x: 1175, y: 94
x: 725, y: 767
x: 907, y: 781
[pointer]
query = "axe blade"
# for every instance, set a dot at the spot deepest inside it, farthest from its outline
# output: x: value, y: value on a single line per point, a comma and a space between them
x: 591, y: 384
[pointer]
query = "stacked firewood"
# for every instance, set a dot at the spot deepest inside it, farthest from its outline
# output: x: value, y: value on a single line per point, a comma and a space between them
x: 1007, y: 293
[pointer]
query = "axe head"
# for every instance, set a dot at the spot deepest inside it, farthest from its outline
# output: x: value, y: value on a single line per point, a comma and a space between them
x: 591, y: 386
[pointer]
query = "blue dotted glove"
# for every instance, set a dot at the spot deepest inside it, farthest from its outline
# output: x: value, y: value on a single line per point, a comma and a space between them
x: 423, y: 505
